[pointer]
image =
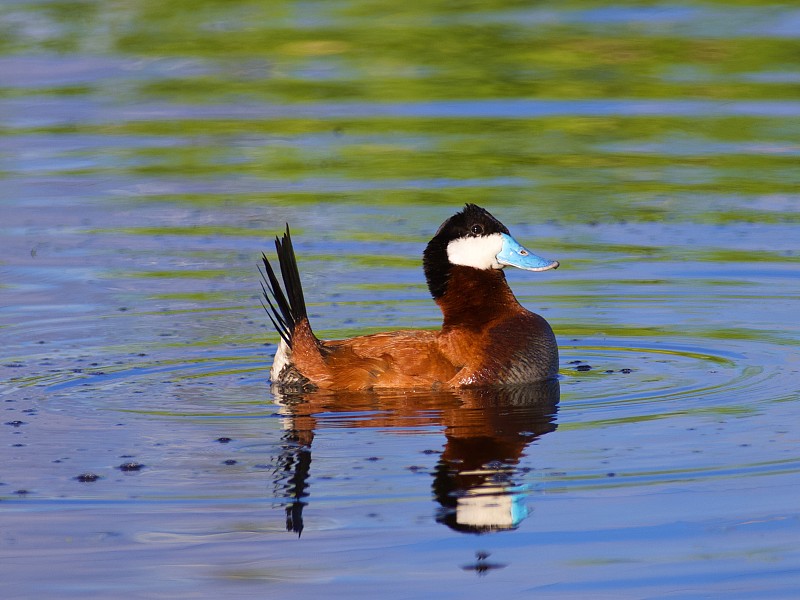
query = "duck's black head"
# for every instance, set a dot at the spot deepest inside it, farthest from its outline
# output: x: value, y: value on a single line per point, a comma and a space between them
x: 474, y: 238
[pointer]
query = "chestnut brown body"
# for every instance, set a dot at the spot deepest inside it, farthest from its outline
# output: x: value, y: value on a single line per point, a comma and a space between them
x: 487, y: 337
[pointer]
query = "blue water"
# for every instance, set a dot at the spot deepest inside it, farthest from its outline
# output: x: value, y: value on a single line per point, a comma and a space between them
x: 150, y: 152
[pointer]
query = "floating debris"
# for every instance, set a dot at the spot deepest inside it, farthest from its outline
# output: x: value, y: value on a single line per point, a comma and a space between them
x: 131, y: 466
x: 481, y: 566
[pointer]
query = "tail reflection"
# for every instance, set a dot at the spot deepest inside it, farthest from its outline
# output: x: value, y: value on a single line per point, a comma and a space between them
x: 299, y: 467
x: 486, y: 430
x: 293, y: 469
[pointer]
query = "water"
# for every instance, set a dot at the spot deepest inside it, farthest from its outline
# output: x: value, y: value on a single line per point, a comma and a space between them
x: 150, y: 151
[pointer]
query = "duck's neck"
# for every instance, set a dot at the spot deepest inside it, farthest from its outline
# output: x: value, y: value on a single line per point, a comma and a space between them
x: 475, y: 297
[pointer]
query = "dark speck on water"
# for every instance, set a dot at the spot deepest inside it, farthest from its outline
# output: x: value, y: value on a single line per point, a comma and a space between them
x: 131, y: 466
x: 482, y: 566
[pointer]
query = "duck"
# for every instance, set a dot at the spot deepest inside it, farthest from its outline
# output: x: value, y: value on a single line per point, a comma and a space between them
x: 487, y: 337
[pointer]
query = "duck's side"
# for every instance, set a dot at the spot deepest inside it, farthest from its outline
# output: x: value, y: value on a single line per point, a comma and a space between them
x: 398, y: 359
x: 487, y: 337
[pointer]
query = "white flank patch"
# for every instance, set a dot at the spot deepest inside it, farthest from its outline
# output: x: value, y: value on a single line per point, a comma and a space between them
x: 282, y: 357
x: 476, y: 252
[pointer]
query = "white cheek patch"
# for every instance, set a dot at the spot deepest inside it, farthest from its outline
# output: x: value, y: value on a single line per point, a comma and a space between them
x: 476, y: 252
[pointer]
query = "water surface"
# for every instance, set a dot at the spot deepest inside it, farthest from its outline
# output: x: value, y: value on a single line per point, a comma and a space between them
x: 150, y: 151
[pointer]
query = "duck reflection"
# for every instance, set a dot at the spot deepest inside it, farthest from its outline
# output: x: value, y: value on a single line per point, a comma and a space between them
x: 475, y: 480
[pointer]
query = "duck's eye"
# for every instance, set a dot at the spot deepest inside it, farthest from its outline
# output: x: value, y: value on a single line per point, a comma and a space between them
x: 477, y: 229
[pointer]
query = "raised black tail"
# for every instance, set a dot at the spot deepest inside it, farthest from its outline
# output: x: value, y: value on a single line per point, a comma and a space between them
x: 291, y: 305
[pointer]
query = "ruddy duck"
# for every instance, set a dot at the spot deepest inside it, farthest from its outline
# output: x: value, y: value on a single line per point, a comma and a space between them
x: 487, y: 337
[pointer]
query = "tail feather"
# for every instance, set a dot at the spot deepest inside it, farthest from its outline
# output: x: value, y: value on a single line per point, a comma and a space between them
x: 286, y: 306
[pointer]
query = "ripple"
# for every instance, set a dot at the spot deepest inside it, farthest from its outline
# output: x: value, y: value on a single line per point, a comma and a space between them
x: 627, y: 373
x: 139, y: 384
x: 591, y: 480
x: 67, y: 110
x: 636, y: 404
